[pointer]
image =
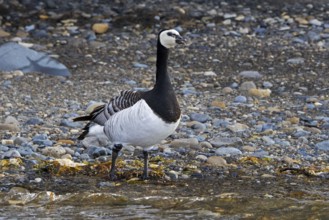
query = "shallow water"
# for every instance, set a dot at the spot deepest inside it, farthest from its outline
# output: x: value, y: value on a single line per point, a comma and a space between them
x: 176, y: 200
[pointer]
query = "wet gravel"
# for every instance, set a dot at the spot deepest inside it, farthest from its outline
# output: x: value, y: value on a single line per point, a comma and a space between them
x: 252, y: 82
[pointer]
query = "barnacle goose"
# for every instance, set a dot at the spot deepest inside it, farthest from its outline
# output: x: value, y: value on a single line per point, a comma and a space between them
x: 140, y: 118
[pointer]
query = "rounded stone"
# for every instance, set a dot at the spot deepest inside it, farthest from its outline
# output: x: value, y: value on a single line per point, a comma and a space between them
x: 231, y: 151
x: 200, y: 117
x: 217, y: 161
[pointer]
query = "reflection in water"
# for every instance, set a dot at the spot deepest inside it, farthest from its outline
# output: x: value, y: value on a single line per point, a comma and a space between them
x: 113, y: 206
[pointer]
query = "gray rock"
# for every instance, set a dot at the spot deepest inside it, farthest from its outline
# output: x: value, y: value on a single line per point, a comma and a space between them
x: 95, y: 141
x: 3, y: 148
x: 200, y: 117
x: 220, y: 123
x: 260, y: 153
x: 140, y: 65
x: 11, y: 154
x: 246, y: 86
x: 231, y: 151
x: 313, y: 36
x: 296, y: 61
x: 25, y: 151
x: 217, y: 161
x: 238, y: 127
x: 199, y: 127
x: 268, y: 140
x: 202, y: 158
x: 34, y: 121
x: 184, y: 142
x: 267, y: 84
x: 84, y: 156
x: 56, y: 151
x: 315, y: 22
x: 223, y: 141
x: 173, y: 175
x: 250, y: 74
x: 70, y: 124
x: 324, y: 145
x: 18, y: 141
x: 11, y: 120
x: 17, y: 57
x: 240, y: 99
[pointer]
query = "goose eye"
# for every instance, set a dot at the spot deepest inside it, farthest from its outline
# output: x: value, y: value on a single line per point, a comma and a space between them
x: 170, y: 34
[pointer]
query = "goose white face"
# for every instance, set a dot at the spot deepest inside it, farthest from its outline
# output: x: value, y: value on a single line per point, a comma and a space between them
x: 169, y: 38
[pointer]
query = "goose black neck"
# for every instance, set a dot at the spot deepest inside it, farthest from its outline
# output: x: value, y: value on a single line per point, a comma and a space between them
x: 162, y: 77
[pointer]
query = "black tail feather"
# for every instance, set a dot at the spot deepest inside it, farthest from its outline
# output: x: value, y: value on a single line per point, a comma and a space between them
x: 83, y: 118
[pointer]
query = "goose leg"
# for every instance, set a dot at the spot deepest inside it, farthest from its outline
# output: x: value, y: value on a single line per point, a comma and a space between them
x: 146, y: 155
x: 115, y: 152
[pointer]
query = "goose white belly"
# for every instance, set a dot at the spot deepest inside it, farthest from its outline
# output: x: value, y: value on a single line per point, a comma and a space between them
x: 138, y: 125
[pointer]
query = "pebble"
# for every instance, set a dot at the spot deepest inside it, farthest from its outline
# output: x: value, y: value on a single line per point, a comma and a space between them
x: 246, y: 86
x: 25, y: 151
x: 185, y: 143
x: 268, y: 141
x: 315, y: 22
x: 18, y: 141
x: 173, y: 175
x: 240, y: 99
x: 70, y: 124
x: 9, y: 127
x: 225, y: 141
x: 34, y: 121
x: 198, y: 126
x: 238, y: 127
x: 228, y: 151
x: 227, y: 90
x: 11, y: 120
x: 56, y: 151
x: 260, y: 93
x: 217, y: 161
x: 267, y: 84
x: 250, y: 74
x: 323, y: 145
x: 100, y: 28
x: 11, y: 154
x: 199, y: 117
x: 296, y: 61
x: 202, y: 158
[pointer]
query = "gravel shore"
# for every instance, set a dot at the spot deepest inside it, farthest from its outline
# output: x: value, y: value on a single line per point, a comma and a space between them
x: 252, y: 84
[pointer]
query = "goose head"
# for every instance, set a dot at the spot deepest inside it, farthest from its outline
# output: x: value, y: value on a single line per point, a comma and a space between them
x: 169, y: 38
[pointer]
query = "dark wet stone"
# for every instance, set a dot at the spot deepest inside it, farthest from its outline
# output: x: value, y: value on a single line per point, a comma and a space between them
x: 17, y: 57
x: 200, y: 117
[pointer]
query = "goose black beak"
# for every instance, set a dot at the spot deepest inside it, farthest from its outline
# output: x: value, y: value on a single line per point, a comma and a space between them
x: 180, y: 39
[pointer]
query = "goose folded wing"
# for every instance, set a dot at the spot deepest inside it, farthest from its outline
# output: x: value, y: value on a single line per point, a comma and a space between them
x: 102, y: 113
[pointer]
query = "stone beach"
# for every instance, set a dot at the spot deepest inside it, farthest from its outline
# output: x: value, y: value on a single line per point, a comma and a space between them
x: 252, y: 84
